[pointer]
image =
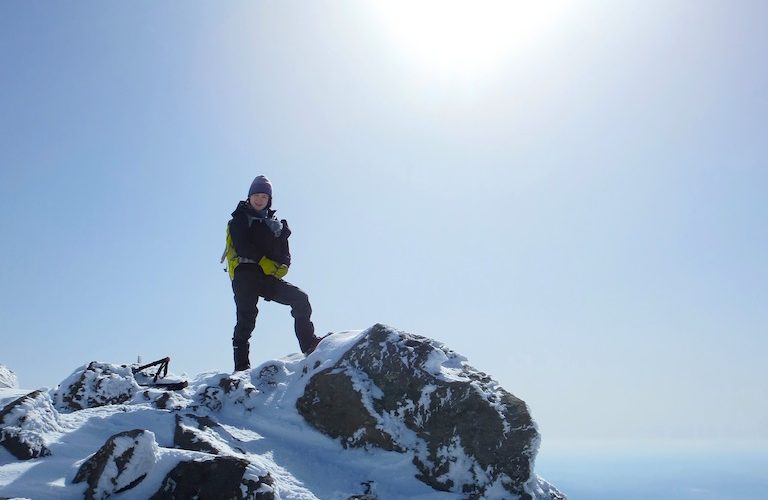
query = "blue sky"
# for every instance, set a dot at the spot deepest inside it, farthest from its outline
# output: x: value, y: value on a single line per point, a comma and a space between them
x: 583, y: 218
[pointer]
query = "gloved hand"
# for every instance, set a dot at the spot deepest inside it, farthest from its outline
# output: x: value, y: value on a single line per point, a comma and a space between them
x: 272, y: 268
x: 268, y: 265
x: 282, y: 270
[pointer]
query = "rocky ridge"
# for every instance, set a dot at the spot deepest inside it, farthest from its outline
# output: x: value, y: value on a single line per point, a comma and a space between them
x: 380, y: 394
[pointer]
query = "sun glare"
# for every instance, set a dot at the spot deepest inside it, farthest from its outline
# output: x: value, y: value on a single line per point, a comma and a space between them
x: 465, y: 37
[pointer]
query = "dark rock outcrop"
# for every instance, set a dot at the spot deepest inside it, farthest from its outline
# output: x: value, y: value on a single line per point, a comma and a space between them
x: 202, y: 433
x: 97, y: 384
x: 402, y: 392
x: 121, y: 463
x: 25, y: 423
x: 219, y: 478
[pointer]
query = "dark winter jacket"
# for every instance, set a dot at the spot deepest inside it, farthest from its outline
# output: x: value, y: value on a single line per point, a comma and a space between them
x: 253, y: 239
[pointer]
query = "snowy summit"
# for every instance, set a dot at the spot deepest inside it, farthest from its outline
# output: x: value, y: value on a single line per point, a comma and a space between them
x: 373, y: 414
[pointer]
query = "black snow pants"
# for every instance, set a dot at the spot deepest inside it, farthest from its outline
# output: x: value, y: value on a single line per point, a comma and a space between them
x: 249, y: 284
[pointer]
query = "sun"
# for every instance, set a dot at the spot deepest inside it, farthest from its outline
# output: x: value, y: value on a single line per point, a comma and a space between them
x: 465, y: 37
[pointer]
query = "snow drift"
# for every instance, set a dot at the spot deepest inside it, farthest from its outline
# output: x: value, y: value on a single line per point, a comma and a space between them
x: 372, y: 414
x: 8, y: 379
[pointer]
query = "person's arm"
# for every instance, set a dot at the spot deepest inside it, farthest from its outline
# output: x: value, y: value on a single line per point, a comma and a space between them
x: 282, y: 241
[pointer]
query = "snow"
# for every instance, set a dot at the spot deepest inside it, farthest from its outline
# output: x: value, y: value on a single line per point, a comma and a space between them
x: 8, y: 379
x: 144, y: 457
x: 32, y: 421
x: 258, y: 421
x: 447, y: 366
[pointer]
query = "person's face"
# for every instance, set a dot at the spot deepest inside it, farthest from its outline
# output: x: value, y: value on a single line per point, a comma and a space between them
x: 259, y: 201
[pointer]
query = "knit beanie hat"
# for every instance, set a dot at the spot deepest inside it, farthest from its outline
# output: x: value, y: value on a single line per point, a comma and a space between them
x: 260, y: 185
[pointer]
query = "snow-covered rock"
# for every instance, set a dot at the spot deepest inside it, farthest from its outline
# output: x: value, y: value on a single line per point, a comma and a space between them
x: 162, y: 399
x: 8, y: 379
x: 369, y: 414
x: 121, y: 464
x: 406, y: 393
x: 96, y: 384
x: 227, y: 391
x: 28, y: 424
x: 203, y: 433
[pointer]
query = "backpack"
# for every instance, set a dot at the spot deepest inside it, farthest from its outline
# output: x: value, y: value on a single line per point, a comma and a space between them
x: 230, y: 256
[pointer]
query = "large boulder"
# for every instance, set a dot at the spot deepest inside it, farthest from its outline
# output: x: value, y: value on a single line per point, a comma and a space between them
x: 8, y: 379
x: 27, y: 424
x: 120, y: 464
x: 401, y: 392
x: 96, y: 384
x: 222, y: 477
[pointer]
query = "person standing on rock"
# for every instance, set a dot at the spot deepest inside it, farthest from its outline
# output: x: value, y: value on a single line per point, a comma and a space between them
x: 258, y: 258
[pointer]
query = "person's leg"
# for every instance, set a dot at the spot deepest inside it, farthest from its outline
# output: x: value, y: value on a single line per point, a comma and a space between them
x: 244, y: 287
x: 285, y: 293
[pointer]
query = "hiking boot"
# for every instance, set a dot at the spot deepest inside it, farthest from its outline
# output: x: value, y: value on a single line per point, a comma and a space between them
x: 241, y: 358
x: 315, y: 342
